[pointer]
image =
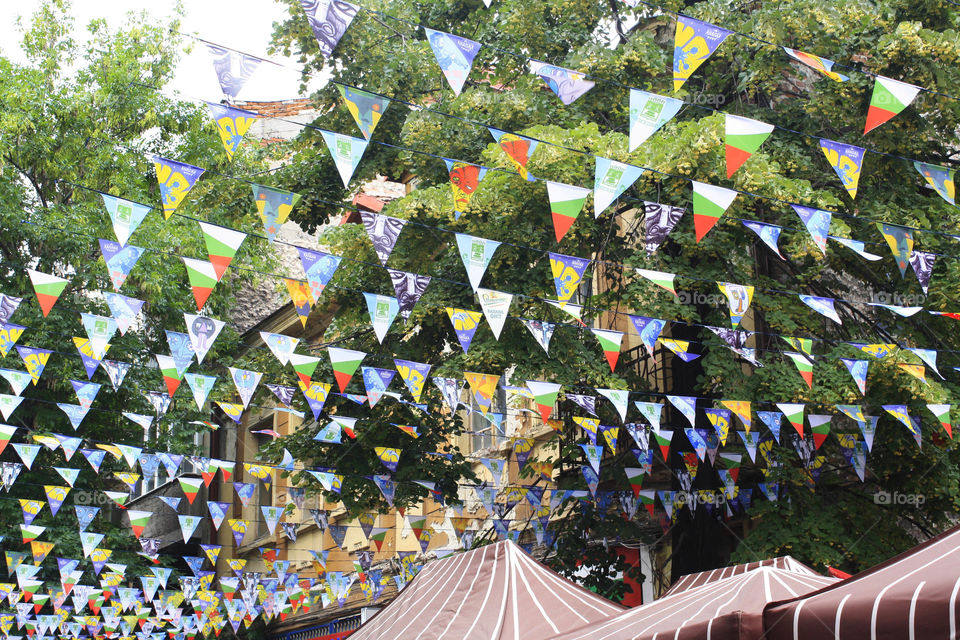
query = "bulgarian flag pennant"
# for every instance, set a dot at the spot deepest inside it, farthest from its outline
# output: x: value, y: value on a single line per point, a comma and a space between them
x: 545, y: 396
x: 138, y: 521
x: 660, y: 278
x: 663, y: 438
x: 345, y: 363
x: 610, y: 342
x: 222, y: 245
x: 635, y: 478
x: 942, y: 411
x: 743, y: 137
x: 709, y: 203
x: 305, y: 366
x: 171, y: 375
x: 889, y: 98
x: 804, y: 365
x: 794, y: 414
x: 203, y: 278
x: 47, y: 289
x: 566, y: 203
x: 190, y: 487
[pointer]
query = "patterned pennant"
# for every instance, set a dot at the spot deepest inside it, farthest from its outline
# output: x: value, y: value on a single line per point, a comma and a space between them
x: 496, y: 307
x: 233, y: 69
x: 568, y: 85
x: 389, y: 457
x: 375, y: 382
x: 246, y: 383
x: 484, y: 387
x: 823, y: 306
x: 476, y: 254
x: 817, y: 223
x: 567, y: 275
x: 922, y: 264
x: 620, y: 398
x: 281, y: 346
x: 383, y: 310
x: 116, y: 372
x: 465, y: 325
x: 464, y: 180
x: 454, y: 55
x: 413, y: 374
x: 769, y: 233
x: 365, y: 107
x: 566, y: 203
x: 941, y: 179
x: 687, y: 406
x: 346, y: 152
x: 659, y: 221
x: 200, y: 386
x: 301, y: 298
x: 541, y: 331
x: 649, y: 112
x: 47, y: 289
x: 816, y: 63
x: 123, y: 309
x: 680, y: 347
x: 383, y: 232
x: 232, y: 124
x: 409, y: 288
x: 858, y: 247
x: 709, y: 204
x: 9, y: 334
x: 329, y: 20
x: 175, y: 180
x: 274, y: 206
x: 900, y: 241
x: 125, y: 216
x: 518, y: 150
x: 738, y: 299
x: 120, y: 260
x: 694, y: 42
x: 316, y: 394
x: 743, y: 138
x: 610, y: 180
x: 846, y: 161
x: 188, y: 525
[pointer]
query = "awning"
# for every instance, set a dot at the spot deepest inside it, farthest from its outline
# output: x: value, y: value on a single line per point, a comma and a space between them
x: 692, y: 580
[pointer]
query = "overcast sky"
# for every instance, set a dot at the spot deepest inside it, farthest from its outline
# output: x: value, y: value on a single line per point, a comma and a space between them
x: 240, y: 24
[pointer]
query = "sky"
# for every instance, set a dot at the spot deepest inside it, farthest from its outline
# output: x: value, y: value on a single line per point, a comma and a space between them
x: 245, y: 25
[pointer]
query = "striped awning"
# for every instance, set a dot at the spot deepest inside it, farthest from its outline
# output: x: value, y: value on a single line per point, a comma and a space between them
x: 495, y: 592
x: 914, y: 595
x: 692, y: 580
x: 727, y: 609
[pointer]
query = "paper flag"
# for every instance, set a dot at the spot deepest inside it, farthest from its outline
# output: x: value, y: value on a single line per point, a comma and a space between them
x: 720, y: 420
x: 175, y: 180
x: 649, y: 112
x: 620, y: 398
x: 345, y: 363
x: 922, y: 264
x: 232, y: 124
x: 816, y: 63
x: 804, y: 365
x: 743, y: 137
x: 769, y: 233
x: 346, y: 152
x: 738, y: 299
x: 680, y: 347
x: 9, y: 334
x: 329, y: 20
x: 190, y: 486
x: 375, y: 382
x: 794, y: 414
x: 202, y: 332
x: 123, y: 309
x: 846, y: 161
x: 120, y: 260
x: 568, y: 85
x: 496, y: 307
x: 465, y: 325
x: 567, y: 275
x: 916, y: 370
x: 823, y: 306
x: 484, y: 387
x: 233, y: 69
x: 116, y: 372
x: 544, y: 396
x: 694, y: 42
x: 941, y: 179
x: 316, y: 394
x: 741, y: 409
x: 659, y: 221
x: 476, y: 254
x: 389, y: 457
x: 301, y: 298
x: 858, y: 370
x: 365, y: 107
x: 929, y: 358
x: 222, y: 245
x: 610, y: 342
x: 610, y: 180
x: 697, y: 442
x: 274, y: 206
x: 900, y: 412
x: 566, y: 203
x: 171, y: 376
x: 889, y: 98
x: 383, y: 232
x: 709, y: 203
x: 203, y: 278
x: 188, y: 525
x: 900, y: 241
x: 413, y: 374
x: 318, y: 267
x: 383, y: 310
x: 464, y: 180
x: 47, y: 289
x: 246, y: 383
x: 125, y: 216
x: 687, y: 406
x: 859, y: 247
x: 819, y: 428
x: 942, y: 412
x: 454, y: 55
x: 518, y: 150
x: 541, y: 331
x: 651, y: 411
x: 817, y: 223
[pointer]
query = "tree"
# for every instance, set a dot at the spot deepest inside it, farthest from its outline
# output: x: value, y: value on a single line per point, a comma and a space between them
x: 78, y: 120
x: 833, y: 521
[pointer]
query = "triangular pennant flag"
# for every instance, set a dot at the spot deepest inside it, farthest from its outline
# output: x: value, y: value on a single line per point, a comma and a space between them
x: 687, y: 406
x: 846, y: 160
x: 125, y: 216
x: 769, y: 233
x: 9, y: 404
x: 929, y: 358
x: 858, y: 371
x: 741, y: 409
x: 649, y: 330
x: 202, y: 331
x: 720, y: 420
x: 413, y: 374
x: 816, y: 63
x: 709, y: 204
x: 922, y: 263
x: 694, y: 42
x: 383, y: 310
x: 610, y: 180
x: 316, y: 394
x: 941, y: 179
x: 465, y: 325
x: 318, y: 267
x: 329, y: 21
x: 663, y: 439
x: 464, y: 180
x: 232, y: 124
x: 9, y: 334
x: 804, y: 365
x: 222, y: 245
x: 171, y: 376
x: 738, y: 299
x: 190, y: 486
x: 889, y: 98
x: 233, y: 69
x: 568, y: 85
x: 120, y: 260
x: 567, y: 275
x: 138, y: 521
x: 566, y: 203
x: 916, y: 370
x: 518, y: 150
x: 620, y: 398
x: 409, y: 287
x: 116, y: 372
x: 817, y: 222
x: 942, y: 412
x: 819, y: 428
x: 345, y: 363
x: 34, y: 360
x: 19, y: 380
x: 652, y: 412
x: 346, y: 152
x: 610, y: 342
x: 541, y: 331
x: 390, y: 457
x: 794, y: 414
x: 823, y: 306
x: 375, y: 382
x: 751, y: 441
x: 300, y: 297
x: 476, y: 254
x: 484, y: 387
x: 900, y: 241
x: 496, y: 307
x: 455, y: 56
x: 189, y: 524
x: 658, y: 221
x: 175, y: 180
x: 899, y: 411
x: 274, y: 207
x: 649, y: 112
x: 698, y: 443
x: 383, y: 232
x: 365, y: 107
x: 123, y: 309
x: 743, y: 137
x: 203, y: 278
x: 246, y: 383
x: 680, y: 347
x: 47, y: 289
x: 544, y: 396
x: 859, y: 247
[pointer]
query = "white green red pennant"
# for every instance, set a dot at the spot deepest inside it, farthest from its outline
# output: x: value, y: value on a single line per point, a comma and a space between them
x: 566, y: 203
x: 190, y: 487
x: 203, y: 278
x: 304, y: 366
x: 942, y: 411
x: 743, y: 137
x: 794, y: 414
x: 610, y: 341
x: 889, y: 98
x: 804, y: 365
x: 709, y: 203
x: 545, y: 396
x: 222, y: 245
x: 345, y: 363
x: 47, y: 289
x: 171, y: 375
